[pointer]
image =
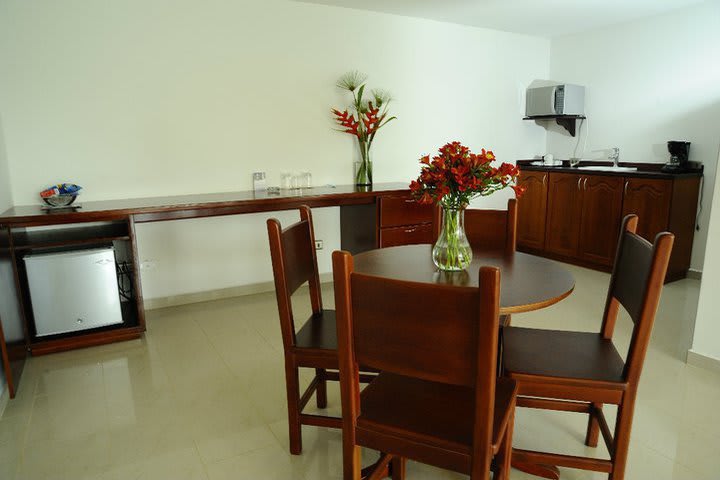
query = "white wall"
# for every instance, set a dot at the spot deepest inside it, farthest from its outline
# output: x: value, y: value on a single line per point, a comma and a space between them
x: 5, y: 185
x: 139, y: 98
x: 706, y: 339
x: 648, y: 81
x: 5, y: 203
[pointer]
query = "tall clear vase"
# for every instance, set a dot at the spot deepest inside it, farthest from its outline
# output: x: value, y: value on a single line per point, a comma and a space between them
x: 452, y: 251
x: 363, y: 168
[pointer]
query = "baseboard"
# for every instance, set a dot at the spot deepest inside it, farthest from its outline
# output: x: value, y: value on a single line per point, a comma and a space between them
x: 219, y: 294
x: 694, y: 274
x: 703, y: 361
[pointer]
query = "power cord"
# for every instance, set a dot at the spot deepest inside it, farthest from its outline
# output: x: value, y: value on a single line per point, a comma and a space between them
x: 124, y: 272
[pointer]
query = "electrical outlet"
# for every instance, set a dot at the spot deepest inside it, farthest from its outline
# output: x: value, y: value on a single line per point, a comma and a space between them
x: 318, y: 244
x: 149, y: 264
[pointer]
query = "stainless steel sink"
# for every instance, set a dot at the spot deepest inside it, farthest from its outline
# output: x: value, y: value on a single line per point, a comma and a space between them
x: 608, y: 169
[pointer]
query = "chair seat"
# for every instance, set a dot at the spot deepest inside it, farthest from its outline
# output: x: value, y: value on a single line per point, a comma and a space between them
x: 319, y: 332
x: 436, y: 414
x: 560, y: 354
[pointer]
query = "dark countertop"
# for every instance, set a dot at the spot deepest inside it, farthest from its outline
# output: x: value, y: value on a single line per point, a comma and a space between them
x: 644, y: 170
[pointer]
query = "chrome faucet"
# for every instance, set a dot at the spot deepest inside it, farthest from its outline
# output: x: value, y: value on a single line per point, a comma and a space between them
x: 615, y: 156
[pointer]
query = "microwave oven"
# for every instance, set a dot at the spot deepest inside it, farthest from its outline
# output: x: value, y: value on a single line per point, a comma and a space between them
x: 565, y: 99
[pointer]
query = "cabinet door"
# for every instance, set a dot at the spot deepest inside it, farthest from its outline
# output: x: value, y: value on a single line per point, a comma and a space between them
x: 600, y: 219
x: 649, y: 199
x: 563, y: 214
x: 532, y: 210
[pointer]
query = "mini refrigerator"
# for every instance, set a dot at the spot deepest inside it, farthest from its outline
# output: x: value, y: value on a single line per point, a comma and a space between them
x: 73, y: 291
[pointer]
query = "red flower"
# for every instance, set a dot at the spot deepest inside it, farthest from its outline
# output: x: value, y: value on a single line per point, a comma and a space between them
x: 519, y: 190
x: 456, y: 175
x: 425, y: 198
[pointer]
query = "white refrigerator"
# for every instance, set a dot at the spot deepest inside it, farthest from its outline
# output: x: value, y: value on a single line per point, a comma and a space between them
x: 72, y: 291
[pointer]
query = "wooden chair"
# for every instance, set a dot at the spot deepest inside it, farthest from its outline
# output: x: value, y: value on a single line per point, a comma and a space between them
x: 294, y: 262
x: 437, y: 399
x: 487, y: 230
x: 579, y: 372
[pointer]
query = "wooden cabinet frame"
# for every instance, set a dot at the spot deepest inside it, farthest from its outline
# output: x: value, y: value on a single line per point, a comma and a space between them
x: 360, y: 217
x: 580, y: 214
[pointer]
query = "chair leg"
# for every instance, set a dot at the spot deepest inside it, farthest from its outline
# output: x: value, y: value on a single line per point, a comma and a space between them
x: 593, y: 428
x: 321, y: 392
x: 292, y: 384
x: 623, y: 426
x: 352, y: 469
x: 504, y: 457
x: 397, y: 467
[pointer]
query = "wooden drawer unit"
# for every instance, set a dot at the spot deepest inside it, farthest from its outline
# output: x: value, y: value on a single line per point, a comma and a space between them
x: 403, y: 221
x: 407, y: 235
x: 401, y: 210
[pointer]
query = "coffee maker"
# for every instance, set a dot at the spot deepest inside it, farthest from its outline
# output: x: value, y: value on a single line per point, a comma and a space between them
x: 679, y: 152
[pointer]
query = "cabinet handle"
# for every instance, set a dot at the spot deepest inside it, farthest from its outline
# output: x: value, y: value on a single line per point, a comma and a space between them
x: 410, y: 201
x: 626, y: 185
x: 410, y: 230
x: 579, y: 180
x: 585, y: 184
x: 544, y: 177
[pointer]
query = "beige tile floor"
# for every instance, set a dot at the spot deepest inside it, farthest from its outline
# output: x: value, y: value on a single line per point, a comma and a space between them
x: 201, y: 396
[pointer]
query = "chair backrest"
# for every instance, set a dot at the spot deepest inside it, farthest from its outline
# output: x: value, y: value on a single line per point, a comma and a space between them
x: 636, y: 284
x: 488, y: 230
x: 439, y: 333
x: 294, y: 262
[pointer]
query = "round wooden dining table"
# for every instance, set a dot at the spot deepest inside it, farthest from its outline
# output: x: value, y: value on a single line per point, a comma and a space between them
x: 527, y: 282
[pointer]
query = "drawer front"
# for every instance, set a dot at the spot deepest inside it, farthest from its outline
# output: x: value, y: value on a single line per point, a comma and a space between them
x: 403, y: 210
x: 409, y: 235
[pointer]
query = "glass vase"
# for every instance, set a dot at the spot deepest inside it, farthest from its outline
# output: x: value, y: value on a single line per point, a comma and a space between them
x: 363, y: 168
x: 452, y: 252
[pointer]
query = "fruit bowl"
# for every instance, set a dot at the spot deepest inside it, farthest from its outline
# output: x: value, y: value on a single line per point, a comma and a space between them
x: 61, y: 195
x: 60, y: 200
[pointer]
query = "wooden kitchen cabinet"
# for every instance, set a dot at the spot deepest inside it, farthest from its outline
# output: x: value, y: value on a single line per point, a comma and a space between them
x: 600, y: 218
x: 649, y: 199
x: 583, y: 216
x: 579, y: 214
x: 563, y: 214
x: 532, y: 209
x: 665, y: 205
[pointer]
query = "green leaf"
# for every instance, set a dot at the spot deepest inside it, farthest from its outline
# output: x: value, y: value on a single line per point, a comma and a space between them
x: 387, y: 121
x: 360, y: 94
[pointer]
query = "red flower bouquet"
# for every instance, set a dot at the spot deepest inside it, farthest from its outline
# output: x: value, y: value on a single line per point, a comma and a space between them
x: 456, y: 176
x: 451, y: 179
